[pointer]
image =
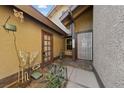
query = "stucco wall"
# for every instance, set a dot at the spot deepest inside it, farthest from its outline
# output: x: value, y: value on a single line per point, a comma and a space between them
x: 58, y: 45
x: 108, y: 43
x: 28, y: 38
x: 84, y: 22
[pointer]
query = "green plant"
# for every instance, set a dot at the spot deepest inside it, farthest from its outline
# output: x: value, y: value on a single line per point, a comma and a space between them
x: 56, y: 76
x: 54, y: 81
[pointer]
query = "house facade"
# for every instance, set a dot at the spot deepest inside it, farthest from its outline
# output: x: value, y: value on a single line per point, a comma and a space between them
x: 83, y: 25
x: 82, y: 32
x: 31, y: 36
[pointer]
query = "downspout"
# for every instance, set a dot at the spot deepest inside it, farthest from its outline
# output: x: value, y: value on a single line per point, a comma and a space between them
x: 72, y: 28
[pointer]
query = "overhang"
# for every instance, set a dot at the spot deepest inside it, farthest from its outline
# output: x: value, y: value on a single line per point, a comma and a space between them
x: 76, y: 11
x: 40, y: 17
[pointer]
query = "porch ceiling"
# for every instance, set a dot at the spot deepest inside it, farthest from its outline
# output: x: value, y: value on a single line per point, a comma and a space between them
x: 40, y: 17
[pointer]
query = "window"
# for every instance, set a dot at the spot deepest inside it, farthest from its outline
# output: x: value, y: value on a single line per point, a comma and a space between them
x: 69, y: 44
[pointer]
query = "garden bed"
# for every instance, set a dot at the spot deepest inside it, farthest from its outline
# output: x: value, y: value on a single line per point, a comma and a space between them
x: 54, y: 76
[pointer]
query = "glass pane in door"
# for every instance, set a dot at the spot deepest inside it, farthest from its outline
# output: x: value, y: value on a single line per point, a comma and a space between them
x: 48, y: 37
x: 47, y: 47
x: 49, y: 43
x: 45, y: 43
x: 45, y: 37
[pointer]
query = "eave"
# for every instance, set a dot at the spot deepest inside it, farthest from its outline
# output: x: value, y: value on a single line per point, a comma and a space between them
x: 40, y: 17
x: 76, y: 11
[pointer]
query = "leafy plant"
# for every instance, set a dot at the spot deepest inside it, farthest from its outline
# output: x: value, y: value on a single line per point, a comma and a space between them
x: 56, y: 76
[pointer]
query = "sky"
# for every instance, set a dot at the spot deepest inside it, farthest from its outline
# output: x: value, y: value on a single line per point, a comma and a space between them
x: 44, y: 9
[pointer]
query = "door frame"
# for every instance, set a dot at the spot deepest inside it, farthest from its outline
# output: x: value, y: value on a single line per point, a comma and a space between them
x: 87, y: 31
x: 42, y: 41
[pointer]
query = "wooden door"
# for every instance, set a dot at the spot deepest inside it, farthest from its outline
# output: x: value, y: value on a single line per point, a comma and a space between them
x: 47, y: 48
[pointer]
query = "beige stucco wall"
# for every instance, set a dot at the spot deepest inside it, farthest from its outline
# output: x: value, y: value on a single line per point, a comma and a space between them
x: 85, y: 21
x: 58, y: 45
x: 28, y: 38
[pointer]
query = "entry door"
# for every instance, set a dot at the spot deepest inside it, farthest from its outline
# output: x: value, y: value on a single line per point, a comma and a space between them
x: 84, y: 45
x: 47, y: 47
